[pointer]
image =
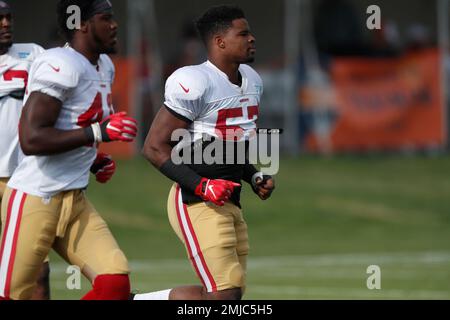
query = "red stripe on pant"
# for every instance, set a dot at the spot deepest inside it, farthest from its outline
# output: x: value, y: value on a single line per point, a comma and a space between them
x: 5, y: 231
x: 188, y: 244
x: 200, y: 254
x: 14, y: 247
x: 10, y: 203
x: 15, y: 229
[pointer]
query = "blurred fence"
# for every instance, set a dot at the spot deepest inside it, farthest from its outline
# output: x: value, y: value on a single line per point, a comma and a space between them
x: 330, y: 82
x: 335, y: 86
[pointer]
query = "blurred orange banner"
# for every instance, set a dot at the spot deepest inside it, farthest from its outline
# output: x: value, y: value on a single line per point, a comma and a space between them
x: 386, y: 104
x: 122, y: 88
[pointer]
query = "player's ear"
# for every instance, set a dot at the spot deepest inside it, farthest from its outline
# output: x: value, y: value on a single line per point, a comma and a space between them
x: 84, y: 26
x: 218, y: 42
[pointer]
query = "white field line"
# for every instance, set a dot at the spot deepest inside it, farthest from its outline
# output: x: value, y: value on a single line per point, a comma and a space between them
x: 301, y: 261
x: 341, y: 273
x: 333, y: 260
x: 334, y: 266
x: 345, y: 293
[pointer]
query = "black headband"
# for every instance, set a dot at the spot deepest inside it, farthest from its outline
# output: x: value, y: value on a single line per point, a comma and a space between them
x: 99, y: 6
x: 4, y: 7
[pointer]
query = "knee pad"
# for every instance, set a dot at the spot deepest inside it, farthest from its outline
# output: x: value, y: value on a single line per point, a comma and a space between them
x: 112, y: 287
x: 236, y: 276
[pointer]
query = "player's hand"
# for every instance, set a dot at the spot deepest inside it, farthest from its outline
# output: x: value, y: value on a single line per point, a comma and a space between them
x: 104, y: 167
x: 216, y: 191
x: 263, y: 186
x: 118, y: 127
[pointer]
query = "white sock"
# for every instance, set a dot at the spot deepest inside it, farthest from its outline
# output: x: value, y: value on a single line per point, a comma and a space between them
x: 159, y: 295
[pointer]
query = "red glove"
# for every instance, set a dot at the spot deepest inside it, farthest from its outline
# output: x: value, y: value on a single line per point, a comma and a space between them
x: 104, y: 168
x: 117, y: 127
x: 216, y: 191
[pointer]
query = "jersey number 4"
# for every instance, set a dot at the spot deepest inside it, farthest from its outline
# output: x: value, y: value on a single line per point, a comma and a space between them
x: 95, y: 112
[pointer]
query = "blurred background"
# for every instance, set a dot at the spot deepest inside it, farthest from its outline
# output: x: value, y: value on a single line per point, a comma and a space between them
x: 365, y: 172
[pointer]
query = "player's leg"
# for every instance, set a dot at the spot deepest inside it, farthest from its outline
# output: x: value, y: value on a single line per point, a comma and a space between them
x: 209, y: 235
x: 89, y: 244
x: 42, y: 291
x: 28, y: 233
x: 242, y: 247
x: 3, y: 183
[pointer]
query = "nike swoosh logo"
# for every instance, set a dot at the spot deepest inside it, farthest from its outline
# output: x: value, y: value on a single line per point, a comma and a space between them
x: 185, y: 90
x: 211, y: 189
x: 55, y: 69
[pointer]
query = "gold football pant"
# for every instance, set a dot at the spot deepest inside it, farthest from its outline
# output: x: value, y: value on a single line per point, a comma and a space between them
x: 3, y: 182
x: 216, y: 240
x: 69, y: 224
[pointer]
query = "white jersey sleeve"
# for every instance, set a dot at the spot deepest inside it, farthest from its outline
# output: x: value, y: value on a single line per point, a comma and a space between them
x: 185, y: 92
x: 15, y: 67
x: 53, y: 76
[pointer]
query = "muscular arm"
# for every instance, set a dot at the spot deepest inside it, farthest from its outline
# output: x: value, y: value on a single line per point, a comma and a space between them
x: 158, y: 145
x: 37, y: 133
x: 158, y: 150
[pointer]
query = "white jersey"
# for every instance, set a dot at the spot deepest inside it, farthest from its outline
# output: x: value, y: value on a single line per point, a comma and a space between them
x: 14, y: 68
x: 205, y: 96
x: 85, y: 93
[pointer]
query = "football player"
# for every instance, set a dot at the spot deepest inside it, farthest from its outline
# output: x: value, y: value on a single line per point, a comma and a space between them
x: 67, y: 113
x: 15, y: 62
x: 211, y: 99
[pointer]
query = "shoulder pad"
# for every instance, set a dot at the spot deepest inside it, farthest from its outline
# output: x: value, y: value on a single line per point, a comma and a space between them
x: 189, y: 80
x: 57, y: 68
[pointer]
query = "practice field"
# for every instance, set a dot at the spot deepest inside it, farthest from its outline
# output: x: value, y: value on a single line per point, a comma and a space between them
x: 329, y: 220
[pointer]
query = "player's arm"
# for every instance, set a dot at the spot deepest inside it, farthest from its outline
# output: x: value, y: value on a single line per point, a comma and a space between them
x: 37, y: 133
x: 53, y: 79
x: 158, y: 150
x: 158, y: 145
x: 263, y: 185
x: 39, y: 137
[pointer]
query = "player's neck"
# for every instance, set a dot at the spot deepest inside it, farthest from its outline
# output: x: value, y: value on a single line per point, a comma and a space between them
x: 230, y: 69
x: 4, y: 49
x: 83, y: 48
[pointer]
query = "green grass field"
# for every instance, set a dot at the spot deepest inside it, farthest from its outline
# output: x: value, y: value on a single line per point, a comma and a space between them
x: 327, y: 222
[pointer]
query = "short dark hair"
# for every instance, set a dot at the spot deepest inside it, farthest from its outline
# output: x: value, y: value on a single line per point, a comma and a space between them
x: 217, y: 19
x: 63, y: 16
